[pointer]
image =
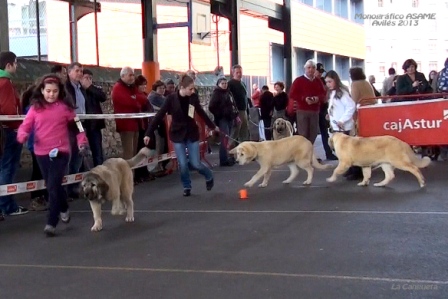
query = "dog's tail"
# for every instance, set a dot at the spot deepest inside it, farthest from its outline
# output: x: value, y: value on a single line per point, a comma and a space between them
x: 318, y: 165
x: 421, y: 163
x: 142, y: 154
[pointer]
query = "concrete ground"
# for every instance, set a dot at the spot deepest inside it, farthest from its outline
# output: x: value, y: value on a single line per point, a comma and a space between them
x: 325, y: 241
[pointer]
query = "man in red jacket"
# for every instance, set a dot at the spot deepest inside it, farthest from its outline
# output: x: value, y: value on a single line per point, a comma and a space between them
x: 305, y: 97
x: 127, y: 99
x: 12, y: 150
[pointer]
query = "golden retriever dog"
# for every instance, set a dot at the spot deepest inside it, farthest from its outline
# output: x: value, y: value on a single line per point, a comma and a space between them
x: 295, y: 151
x: 281, y: 129
x: 386, y: 152
x: 112, y: 181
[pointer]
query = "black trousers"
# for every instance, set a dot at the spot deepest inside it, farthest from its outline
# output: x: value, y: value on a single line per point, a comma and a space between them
x: 36, y: 175
x: 53, y: 171
x: 323, y: 128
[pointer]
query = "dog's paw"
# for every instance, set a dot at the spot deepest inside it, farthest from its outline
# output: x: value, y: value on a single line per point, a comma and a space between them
x: 130, y: 219
x: 366, y: 183
x: 286, y: 182
x: 248, y: 184
x: 331, y: 179
x: 307, y: 182
x: 96, y: 228
x: 262, y: 185
x: 379, y: 184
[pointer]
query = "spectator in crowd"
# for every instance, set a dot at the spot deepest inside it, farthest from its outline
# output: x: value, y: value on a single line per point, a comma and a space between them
x: 224, y: 110
x: 256, y: 93
x: 238, y: 89
x: 432, y: 77
x: 323, y: 122
x: 61, y: 71
x: 157, y: 99
x: 184, y: 132
x: 280, y: 101
x: 305, y: 97
x: 78, y: 95
x: 126, y: 99
x: 39, y: 198
x: 442, y: 80
x: 372, y: 81
x: 388, y: 81
x: 49, y: 117
x: 142, y: 174
x: 95, y: 96
x: 412, y: 82
x: 170, y: 87
x: 361, y: 90
x: 11, y: 149
x: 266, y: 104
x: 341, y: 106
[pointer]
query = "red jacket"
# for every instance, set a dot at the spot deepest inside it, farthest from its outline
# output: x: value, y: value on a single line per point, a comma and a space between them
x: 301, y: 88
x: 9, y: 102
x: 127, y: 99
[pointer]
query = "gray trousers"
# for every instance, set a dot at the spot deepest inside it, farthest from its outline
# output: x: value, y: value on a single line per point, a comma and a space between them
x: 308, y: 124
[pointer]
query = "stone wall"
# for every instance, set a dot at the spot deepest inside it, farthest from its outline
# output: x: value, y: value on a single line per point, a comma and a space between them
x: 30, y: 70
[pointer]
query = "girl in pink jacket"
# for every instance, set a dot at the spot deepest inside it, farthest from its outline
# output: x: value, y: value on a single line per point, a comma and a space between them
x: 50, y: 116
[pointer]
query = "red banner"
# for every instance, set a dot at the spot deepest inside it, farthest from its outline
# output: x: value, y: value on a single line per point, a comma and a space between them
x: 416, y: 123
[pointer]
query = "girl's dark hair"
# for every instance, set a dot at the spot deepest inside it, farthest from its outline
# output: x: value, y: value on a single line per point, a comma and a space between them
x: 356, y: 73
x: 140, y: 80
x: 340, y: 87
x: 408, y: 63
x: 185, y: 80
x: 280, y: 84
x: 37, y: 98
x: 157, y: 84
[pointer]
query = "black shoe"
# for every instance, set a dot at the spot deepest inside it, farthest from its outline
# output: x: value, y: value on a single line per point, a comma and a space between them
x: 2, y: 217
x: 187, y: 192
x: 332, y: 157
x: 209, y: 184
x: 227, y: 163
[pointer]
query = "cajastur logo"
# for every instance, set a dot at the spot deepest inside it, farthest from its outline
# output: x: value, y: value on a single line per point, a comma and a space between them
x: 64, y: 180
x: 30, y: 186
x: 78, y: 177
x: 11, y: 189
x: 411, y: 124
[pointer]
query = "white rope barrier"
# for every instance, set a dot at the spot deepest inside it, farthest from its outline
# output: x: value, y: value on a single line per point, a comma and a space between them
x: 29, y: 186
x: 88, y: 116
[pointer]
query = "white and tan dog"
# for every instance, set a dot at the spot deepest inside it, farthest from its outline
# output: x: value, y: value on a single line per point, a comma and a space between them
x: 295, y: 151
x: 386, y: 152
x: 281, y: 129
x: 112, y: 181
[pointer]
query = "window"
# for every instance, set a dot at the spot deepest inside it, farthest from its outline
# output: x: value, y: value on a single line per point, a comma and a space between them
x: 419, y: 66
x: 432, y: 45
x: 380, y: 3
x: 277, y: 67
x: 382, y: 71
x: 414, y: 3
x: 307, y: 2
x: 394, y: 65
x: 357, y: 8
x: 433, y: 66
x: 341, y: 8
x: 325, y: 5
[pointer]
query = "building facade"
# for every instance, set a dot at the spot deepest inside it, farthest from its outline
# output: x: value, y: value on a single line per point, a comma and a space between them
x: 397, y: 30
x: 324, y: 30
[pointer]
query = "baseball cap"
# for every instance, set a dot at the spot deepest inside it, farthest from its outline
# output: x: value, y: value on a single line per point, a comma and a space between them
x: 320, y: 68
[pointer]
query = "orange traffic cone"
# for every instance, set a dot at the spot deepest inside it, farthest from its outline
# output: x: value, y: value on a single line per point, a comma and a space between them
x: 243, y: 194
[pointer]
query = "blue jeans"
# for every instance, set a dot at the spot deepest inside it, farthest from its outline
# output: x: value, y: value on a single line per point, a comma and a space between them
x: 96, y: 145
x: 194, y: 159
x: 9, y: 162
x: 224, y: 126
x: 53, y: 171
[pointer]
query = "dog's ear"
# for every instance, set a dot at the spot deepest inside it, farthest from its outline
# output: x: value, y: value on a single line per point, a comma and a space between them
x: 251, y: 151
x: 102, y: 186
x: 233, y: 151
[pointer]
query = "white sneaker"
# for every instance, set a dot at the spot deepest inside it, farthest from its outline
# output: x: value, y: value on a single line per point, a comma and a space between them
x: 65, y: 217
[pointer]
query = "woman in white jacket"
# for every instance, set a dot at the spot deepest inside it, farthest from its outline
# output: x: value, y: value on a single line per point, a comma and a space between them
x: 341, y: 109
x: 341, y: 106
